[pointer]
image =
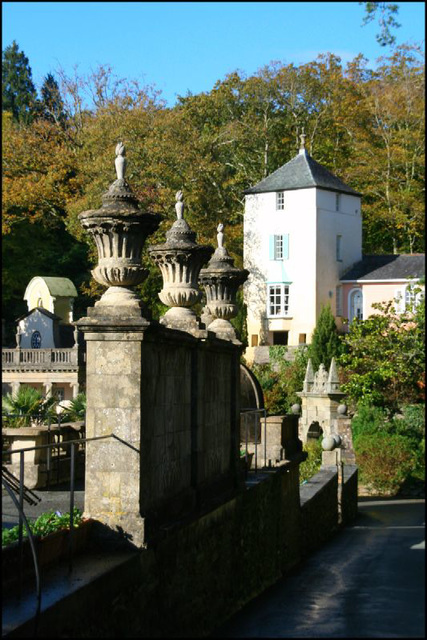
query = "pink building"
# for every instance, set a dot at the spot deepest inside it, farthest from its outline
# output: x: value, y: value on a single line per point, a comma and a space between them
x: 379, y: 278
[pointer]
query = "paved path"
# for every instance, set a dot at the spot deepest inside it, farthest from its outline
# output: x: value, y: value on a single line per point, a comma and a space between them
x: 58, y: 499
x: 368, y: 582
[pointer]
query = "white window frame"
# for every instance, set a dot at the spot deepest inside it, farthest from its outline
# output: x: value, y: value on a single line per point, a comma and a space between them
x: 406, y: 299
x: 280, y: 200
x: 278, y: 247
x: 352, y: 294
x: 278, y: 295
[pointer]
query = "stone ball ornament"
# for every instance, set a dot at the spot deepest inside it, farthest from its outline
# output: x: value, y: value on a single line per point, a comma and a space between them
x: 328, y: 443
x: 342, y: 409
x: 296, y: 409
x: 338, y: 439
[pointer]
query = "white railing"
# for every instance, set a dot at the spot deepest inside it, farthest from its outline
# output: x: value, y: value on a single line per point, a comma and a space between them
x: 39, y: 358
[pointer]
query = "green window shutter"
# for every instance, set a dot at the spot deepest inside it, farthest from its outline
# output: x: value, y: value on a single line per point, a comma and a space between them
x: 271, y: 247
x: 286, y: 246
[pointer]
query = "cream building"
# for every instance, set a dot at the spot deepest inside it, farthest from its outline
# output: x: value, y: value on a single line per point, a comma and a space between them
x: 302, y: 232
x: 47, y: 354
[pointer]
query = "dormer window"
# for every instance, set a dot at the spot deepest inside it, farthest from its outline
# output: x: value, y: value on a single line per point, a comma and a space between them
x: 280, y: 200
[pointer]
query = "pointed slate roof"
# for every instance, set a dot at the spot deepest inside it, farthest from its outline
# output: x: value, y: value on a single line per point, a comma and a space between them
x: 301, y: 172
x: 45, y: 312
x: 387, y: 267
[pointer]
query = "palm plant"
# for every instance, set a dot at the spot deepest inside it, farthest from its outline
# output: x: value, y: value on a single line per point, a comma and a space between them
x: 76, y: 409
x: 25, y: 407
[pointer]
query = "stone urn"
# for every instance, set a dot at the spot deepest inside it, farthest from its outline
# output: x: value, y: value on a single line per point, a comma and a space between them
x: 180, y: 259
x: 119, y: 229
x: 221, y: 280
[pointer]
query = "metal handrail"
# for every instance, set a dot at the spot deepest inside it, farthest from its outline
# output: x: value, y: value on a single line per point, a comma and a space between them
x: 17, y: 486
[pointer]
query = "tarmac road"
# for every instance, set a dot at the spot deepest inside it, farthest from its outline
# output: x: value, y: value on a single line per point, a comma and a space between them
x: 367, y: 582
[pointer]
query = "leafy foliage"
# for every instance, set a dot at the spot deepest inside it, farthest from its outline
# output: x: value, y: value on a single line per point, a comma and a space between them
x: 19, y: 94
x: 366, y: 126
x: 51, y: 104
x: 25, y: 407
x: 312, y: 464
x: 76, y: 409
x: 384, y: 358
x: 385, y: 461
x: 389, y: 450
x: 281, y: 379
x: 386, y: 20
x: 326, y: 343
x: 45, y: 524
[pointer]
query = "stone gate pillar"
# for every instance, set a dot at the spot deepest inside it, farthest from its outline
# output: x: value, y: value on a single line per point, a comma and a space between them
x: 114, y: 330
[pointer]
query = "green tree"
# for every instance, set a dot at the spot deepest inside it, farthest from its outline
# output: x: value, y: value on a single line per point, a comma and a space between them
x: 51, y: 103
x: 385, y: 12
x: 19, y: 95
x: 326, y: 343
x: 383, y: 360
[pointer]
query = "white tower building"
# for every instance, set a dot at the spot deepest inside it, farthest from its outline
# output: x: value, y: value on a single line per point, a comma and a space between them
x: 302, y: 231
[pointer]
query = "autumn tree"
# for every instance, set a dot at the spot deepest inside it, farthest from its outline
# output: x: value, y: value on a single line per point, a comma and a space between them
x: 389, y: 149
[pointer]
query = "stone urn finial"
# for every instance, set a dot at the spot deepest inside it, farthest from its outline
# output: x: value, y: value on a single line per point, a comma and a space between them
x: 180, y: 259
x: 119, y: 229
x: 221, y: 280
x: 220, y: 236
x: 179, y: 206
x: 120, y: 161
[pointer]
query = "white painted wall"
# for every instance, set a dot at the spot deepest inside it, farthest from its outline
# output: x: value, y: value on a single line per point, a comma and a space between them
x: 37, y: 321
x: 330, y: 223
x: 310, y: 219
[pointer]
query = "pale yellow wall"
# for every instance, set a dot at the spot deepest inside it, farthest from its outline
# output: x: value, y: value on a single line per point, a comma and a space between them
x: 373, y: 292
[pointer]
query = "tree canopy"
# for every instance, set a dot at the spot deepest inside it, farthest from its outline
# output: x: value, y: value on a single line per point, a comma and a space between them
x: 366, y: 126
x: 18, y: 93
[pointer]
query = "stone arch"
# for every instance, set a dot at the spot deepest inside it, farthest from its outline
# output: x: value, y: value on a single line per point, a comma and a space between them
x: 315, y: 431
x: 251, y: 395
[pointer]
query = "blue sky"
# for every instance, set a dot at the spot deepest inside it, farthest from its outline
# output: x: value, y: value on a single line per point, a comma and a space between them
x: 188, y: 46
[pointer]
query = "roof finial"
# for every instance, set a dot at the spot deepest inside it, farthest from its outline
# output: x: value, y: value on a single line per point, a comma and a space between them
x: 302, y: 138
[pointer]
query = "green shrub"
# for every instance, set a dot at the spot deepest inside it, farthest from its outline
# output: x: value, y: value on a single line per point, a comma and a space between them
x: 281, y: 379
x: 368, y: 420
x: 411, y: 423
x: 385, y: 460
x: 311, y: 465
x: 46, y: 523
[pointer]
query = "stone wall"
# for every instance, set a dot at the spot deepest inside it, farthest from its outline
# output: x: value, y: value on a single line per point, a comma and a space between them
x: 349, y: 493
x: 319, y: 509
x: 196, y: 575
x: 166, y: 404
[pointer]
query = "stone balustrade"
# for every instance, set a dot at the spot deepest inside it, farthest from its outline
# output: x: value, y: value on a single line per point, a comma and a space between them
x: 40, y: 359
